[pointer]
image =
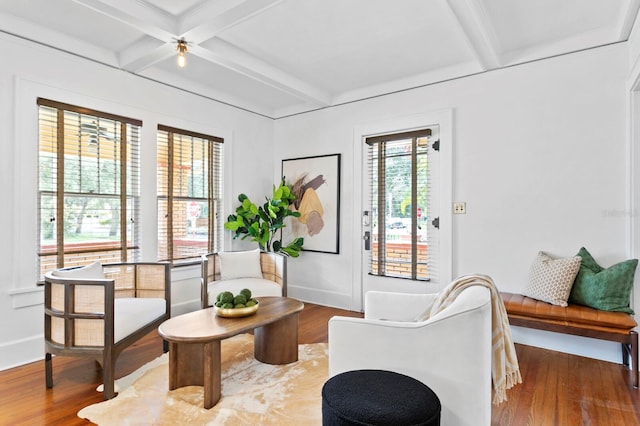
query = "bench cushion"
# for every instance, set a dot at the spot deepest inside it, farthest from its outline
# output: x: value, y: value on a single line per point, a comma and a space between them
x: 518, y: 305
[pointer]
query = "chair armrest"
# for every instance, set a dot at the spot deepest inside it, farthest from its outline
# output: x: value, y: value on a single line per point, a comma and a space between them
x: 351, y: 340
x: 396, y: 306
x: 85, y: 305
x: 356, y: 343
x: 209, y: 272
x: 274, y: 268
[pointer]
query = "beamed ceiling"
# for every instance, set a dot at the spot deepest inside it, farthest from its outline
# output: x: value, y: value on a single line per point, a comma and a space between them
x: 281, y: 57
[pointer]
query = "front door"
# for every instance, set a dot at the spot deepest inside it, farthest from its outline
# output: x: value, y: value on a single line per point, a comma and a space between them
x: 400, y: 210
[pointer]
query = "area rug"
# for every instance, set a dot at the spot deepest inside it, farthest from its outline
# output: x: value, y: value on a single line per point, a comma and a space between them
x: 253, y: 393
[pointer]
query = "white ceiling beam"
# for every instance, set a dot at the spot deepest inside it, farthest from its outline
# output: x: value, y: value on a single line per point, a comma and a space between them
x: 204, y: 23
x: 218, y: 16
x: 203, y: 12
x: 628, y: 18
x: 145, y: 53
x: 209, y: 20
x: 228, y: 56
x: 157, y: 24
x: 139, y: 15
x: 476, y: 26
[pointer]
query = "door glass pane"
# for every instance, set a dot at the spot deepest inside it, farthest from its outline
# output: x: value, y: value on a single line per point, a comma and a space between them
x: 399, y: 232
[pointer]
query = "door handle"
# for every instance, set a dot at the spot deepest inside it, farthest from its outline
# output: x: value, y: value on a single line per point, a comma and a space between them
x: 367, y: 240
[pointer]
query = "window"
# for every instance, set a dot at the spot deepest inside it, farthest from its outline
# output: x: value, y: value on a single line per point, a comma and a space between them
x: 402, y: 168
x: 88, y: 186
x: 189, y: 194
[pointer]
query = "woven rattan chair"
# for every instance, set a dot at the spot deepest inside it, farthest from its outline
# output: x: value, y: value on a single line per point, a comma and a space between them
x: 100, y: 317
x: 273, y: 282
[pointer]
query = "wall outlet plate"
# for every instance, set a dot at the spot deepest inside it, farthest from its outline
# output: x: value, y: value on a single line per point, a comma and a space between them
x: 460, y: 208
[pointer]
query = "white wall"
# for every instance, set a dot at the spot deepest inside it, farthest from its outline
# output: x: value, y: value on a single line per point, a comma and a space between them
x: 31, y: 70
x: 539, y: 157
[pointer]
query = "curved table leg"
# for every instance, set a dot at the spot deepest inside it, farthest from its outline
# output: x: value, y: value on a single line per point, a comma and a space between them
x: 277, y: 343
x: 196, y: 364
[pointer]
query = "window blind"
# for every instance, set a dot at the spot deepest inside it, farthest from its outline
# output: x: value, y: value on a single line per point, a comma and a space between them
x: 189, y: 194
x: 88, y: 186
x: 402, y: 171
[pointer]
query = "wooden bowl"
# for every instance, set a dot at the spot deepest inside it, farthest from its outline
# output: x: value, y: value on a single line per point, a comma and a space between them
x: 236, y: 312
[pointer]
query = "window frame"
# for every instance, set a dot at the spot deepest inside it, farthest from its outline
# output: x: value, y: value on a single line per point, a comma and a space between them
x: 128, y: 192
x: 215, y: 205
x: 377, y: 145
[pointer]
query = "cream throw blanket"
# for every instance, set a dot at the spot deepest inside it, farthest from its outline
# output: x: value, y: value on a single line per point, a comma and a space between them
x: 505, y: 371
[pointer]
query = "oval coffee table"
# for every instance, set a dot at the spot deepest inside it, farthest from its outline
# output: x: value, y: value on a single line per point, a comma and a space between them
x: 194, y: 342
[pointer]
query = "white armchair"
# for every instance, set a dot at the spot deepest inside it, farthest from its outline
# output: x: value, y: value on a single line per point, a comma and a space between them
x: 449, y: 352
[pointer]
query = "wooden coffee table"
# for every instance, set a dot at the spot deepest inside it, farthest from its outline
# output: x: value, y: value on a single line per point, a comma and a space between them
x: 194, y: 342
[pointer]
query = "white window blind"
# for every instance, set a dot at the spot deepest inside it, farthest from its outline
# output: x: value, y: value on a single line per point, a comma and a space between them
x: 88, y: 186
x: 403, y: 171
x: 189, y: 194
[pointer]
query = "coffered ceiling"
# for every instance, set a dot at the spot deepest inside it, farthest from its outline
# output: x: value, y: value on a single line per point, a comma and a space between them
x: 281, y: 57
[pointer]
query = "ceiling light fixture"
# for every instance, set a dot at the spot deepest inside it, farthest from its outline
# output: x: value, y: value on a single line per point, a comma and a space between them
x: 182, y: 51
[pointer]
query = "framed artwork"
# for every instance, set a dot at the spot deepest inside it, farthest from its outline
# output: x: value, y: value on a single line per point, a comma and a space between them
x: 316, y: 183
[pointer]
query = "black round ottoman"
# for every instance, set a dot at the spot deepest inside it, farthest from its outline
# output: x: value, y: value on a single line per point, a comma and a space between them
x: 378, y: 397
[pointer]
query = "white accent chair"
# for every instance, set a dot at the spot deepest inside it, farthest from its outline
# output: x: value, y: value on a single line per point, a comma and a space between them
x: 99, y: 310
x: 449, y: 352
x: 264, y: 273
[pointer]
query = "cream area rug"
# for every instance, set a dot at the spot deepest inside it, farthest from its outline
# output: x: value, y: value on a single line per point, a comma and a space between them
x: 253, y: 393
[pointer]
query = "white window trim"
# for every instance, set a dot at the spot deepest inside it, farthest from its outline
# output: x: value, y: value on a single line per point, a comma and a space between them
x: 444, y: 118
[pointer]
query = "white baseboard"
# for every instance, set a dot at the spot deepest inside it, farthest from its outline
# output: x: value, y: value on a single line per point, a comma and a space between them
x: 20, y: 352
x: 320, y: 297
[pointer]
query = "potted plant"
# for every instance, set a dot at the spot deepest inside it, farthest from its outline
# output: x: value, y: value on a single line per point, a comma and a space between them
x: 263, y: 223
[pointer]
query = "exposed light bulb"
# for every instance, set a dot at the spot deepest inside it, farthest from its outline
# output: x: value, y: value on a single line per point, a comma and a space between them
x: 182, y: 51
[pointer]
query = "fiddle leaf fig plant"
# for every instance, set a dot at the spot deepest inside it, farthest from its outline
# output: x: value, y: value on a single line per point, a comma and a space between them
x: 263, y: 223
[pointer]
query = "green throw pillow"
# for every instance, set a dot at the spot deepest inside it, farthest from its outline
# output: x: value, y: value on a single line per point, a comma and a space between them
x: 605, y: 289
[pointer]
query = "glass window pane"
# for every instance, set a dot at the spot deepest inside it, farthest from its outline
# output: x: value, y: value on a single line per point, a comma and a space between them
x: 82, y: 202
x: 189, y: 184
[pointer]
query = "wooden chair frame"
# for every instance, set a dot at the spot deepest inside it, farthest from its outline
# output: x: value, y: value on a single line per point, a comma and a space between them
x: 140, y: 280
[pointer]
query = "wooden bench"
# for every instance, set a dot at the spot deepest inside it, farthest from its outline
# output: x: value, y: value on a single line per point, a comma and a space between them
x: 576, y: 320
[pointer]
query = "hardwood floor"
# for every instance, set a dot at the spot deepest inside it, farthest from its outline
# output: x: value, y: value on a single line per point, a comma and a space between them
x: 557, y: 389
x: 563, y: 389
